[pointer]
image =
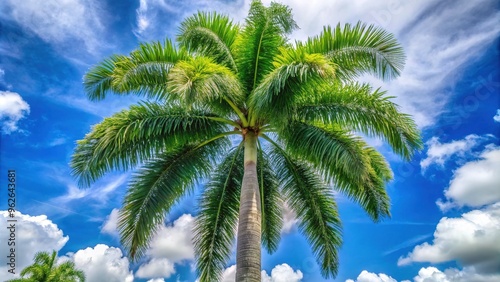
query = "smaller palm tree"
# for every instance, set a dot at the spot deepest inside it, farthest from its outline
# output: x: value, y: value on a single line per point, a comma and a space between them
x: 45, y: 270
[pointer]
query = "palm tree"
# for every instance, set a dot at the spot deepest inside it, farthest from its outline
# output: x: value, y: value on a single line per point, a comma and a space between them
x: 44, y: 269
x: 264, y: 121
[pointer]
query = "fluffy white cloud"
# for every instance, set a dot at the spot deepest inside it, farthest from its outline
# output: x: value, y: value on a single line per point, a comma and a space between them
x: 468, y: 274
x: 156, y: 268
x: 103, y: 263
x: 156, y: 280
x: 432, y: 274
x: 229, y: 274
x: 169, y: 246
x: 471, y: 239
x: 497, y: 116
x: 476, y: 183
x: 58, y: 21
x: 438, y: 153
x: 366, y: 276
x: 280, y: 273
x: 33, y: 234
x: 12, y: 109
x: 174, y: 242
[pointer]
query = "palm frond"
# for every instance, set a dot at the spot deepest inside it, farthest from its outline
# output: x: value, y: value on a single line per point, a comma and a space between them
x: 200, y: 81
x: 215, y: 226
x: 209, y: 34
x: 314, y: 205
x: 344, y: 160
x: 133, y: 136
x: 360, y: 49
x: 258, y: 42
x: 294, y: 70
x: 271, y: 203
x: 97, y: 81
x: 143, y: 72
x: 157, y: 186
x: 357, y: 107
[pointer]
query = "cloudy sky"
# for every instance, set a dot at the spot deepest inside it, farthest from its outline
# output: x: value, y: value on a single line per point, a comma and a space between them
x: 445, y: 223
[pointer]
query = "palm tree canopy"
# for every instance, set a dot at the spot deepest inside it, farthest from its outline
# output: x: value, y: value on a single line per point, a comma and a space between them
x: 44, y: 269
x: 223, y: 80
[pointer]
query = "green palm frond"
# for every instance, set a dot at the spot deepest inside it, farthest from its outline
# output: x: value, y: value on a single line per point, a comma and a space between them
x: 343, y: 159
x: 314, y: 205
x: 358, y: 107
x: 201, y: 81
x: 132, y: 136
x: 330, y: 149
x: 157, y: 186
x: 98, y: 81
x: 215, y: 226
x: 271, y: 203
x: 210, y: 34
x: 143, y: 72
x: 360, y: 49
x: 259, y: 41
x: 294, y: 70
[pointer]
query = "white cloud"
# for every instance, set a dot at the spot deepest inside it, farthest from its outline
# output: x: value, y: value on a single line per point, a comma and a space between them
x: 111, y: 223
x: 432, y: 274
x: 476, y: 183
x: 103, y: 263
x: 169, y: 246
x: 59, y: 21
x: 471, y: 239
x: 439, y: 153
x: 174, y: 242
x: 468, y: 274
x: 280, y: 273
x: 366, y: 276
x: 33, y: 234
x: 12, y: 109
x: 156, y: 268
x: 229, y: 274
x: 496, y: 118
x: 156, y: 280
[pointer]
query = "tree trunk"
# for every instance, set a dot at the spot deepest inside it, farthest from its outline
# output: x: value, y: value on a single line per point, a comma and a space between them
x: 249, y: 227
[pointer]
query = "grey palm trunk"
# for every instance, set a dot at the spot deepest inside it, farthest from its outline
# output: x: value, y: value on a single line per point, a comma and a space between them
x: 248, y: 264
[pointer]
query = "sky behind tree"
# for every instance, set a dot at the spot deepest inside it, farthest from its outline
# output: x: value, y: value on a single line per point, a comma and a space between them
x: 445, y: 221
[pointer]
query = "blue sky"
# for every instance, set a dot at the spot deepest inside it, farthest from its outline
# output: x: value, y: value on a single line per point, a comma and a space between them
x: 445, y: 223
